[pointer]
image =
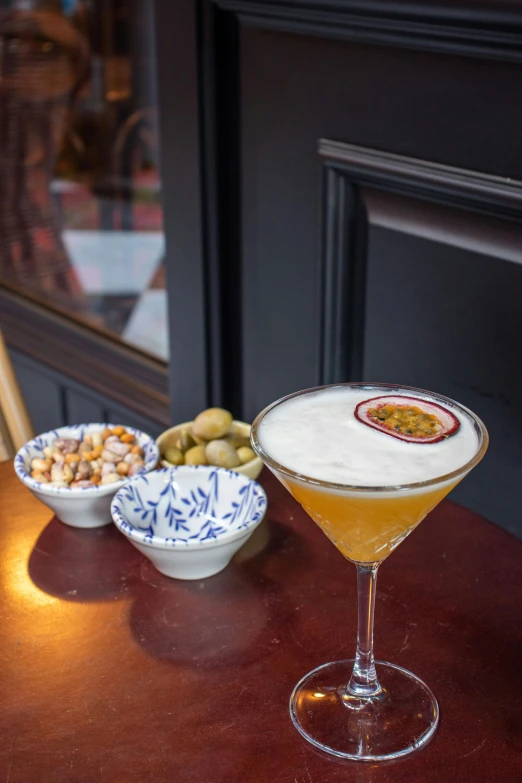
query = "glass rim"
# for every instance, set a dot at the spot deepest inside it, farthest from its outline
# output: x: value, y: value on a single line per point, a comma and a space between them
x: 272, y: 463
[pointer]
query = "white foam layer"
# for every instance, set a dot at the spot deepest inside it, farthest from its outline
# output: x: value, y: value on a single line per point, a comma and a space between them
x: 318, y: 436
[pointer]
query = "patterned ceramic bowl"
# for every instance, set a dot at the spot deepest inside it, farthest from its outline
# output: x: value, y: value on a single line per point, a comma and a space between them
x: 82, y: 507
x: 189, y: 521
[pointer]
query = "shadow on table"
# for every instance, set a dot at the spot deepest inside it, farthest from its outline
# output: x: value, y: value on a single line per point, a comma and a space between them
x: 236, y: 616
x: 232, y: 618
x: 83, y: 565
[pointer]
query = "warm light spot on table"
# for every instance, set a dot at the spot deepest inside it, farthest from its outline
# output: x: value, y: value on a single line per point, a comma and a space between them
x: 56, y: 625
x: 14, y: 575
x: 18, y: 583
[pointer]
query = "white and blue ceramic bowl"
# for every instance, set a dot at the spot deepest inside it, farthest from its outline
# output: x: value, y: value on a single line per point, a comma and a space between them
x: 189, y: 521
x: 79, y: 507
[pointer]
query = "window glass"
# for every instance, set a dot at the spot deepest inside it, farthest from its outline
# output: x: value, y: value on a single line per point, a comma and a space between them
x: 81, y: 224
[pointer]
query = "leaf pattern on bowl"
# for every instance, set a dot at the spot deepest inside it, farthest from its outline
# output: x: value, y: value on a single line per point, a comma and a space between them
x: 185, y: 512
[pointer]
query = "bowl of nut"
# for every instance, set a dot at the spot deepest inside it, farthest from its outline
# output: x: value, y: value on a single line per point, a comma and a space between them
x: 77, y: 470
x: 213, y: 438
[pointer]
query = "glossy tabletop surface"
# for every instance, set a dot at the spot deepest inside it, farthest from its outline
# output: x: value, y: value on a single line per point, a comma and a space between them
x: 111, y: 672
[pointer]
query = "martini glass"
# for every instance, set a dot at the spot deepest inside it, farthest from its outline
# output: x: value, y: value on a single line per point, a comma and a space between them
x: 360, y: 708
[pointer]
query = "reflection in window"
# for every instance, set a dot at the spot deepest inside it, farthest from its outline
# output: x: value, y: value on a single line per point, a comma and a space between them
x: 80, y: 208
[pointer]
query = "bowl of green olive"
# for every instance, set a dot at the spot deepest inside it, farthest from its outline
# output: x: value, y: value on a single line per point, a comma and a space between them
x: 213, y: 438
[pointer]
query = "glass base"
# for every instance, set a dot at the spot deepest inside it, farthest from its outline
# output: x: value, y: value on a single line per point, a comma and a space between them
x: 400, y: 718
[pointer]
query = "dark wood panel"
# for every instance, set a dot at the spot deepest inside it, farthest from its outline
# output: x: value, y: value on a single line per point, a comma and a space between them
x: 99, y: 364
x: 180, y: 130
x: 225, y: 69
x: 54, y: 400
x: 470, y: 28
x: 348, y: 169
x: 458, y: 187
x: 82, y: 408
x: 420, y: 217
x: 43, y: 395
x: 439, y: 110
x: 119, y: 415
x: 344, y: 271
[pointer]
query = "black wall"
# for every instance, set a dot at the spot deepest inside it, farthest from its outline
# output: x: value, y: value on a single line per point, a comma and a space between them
x: 360, y: 202
x: 296, y: 90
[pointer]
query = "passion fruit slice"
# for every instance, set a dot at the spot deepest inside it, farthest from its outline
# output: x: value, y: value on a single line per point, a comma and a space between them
x: 408, y: 418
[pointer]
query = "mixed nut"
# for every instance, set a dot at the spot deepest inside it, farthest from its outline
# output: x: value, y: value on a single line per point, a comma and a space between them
x: 209, y: 441
x: 100, y: 458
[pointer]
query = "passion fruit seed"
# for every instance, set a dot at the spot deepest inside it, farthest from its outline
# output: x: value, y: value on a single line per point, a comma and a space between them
x: 408, y: 420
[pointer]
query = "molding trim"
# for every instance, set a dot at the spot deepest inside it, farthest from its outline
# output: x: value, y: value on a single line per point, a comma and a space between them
x: 488, y: 235
x: 457, y: 187
x: 99, y: 363
x: 469, y: 29
x: 344, y: 257
x: 347, y: 169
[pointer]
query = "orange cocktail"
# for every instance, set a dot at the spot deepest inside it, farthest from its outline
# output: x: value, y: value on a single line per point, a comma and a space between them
x: 366, y: 528
x: 367, y: 463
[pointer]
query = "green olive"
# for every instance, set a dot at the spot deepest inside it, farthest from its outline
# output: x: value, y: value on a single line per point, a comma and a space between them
x: 186, y: 441
x: 245, y: 454
x: 222, y: 454
x: 237, y: 441
x: 174, y: 456
x: 212, y: 423
x: 196, y: 456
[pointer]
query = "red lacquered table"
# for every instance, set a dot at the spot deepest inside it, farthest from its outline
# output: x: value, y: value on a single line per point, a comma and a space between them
x: 111, y: 672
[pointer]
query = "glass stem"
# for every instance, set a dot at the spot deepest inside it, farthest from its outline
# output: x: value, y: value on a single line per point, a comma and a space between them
x: 363, y: 681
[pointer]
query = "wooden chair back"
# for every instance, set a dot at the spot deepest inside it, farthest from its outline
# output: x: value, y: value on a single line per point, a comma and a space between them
x: 15, y: 424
